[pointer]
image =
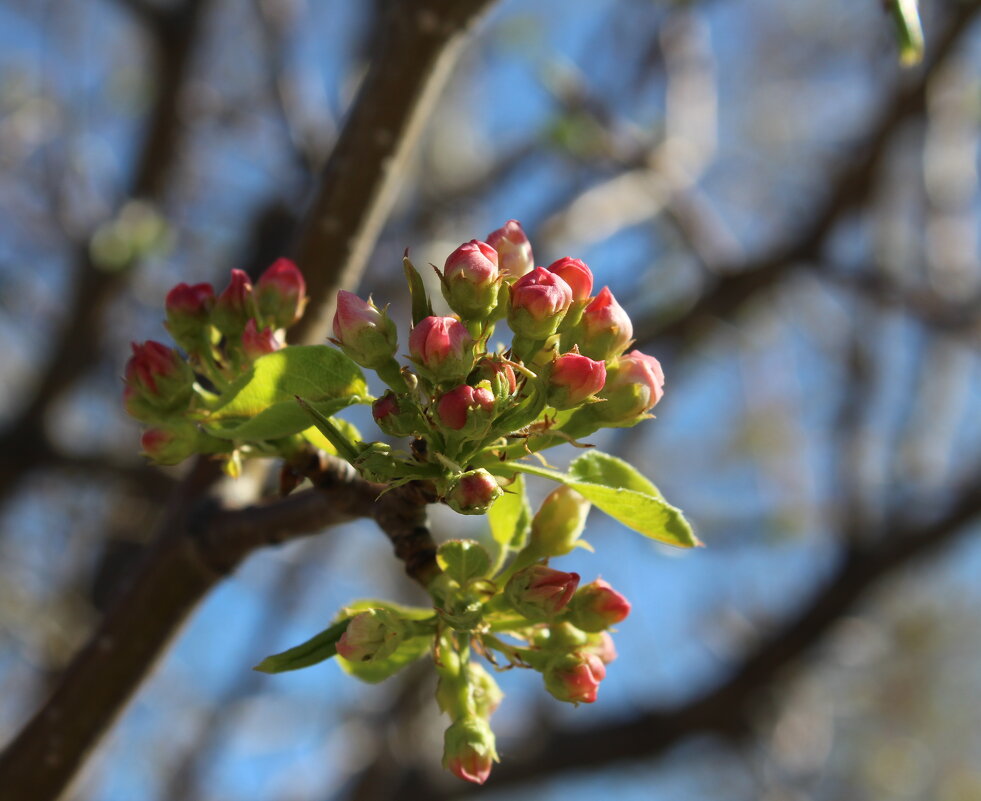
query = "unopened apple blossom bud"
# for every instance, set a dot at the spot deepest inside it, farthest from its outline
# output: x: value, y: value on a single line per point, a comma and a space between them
x: 442, y: 347
x: 363, y: 331
x: 539, y: 301
x: 464, y: 405
x: 558, y: 523
x: 486, y: 693
x: 280, y: 294
x: 234, y: 306
x: 473, y: 492
x: 575, y: 677
x: 392, y: 418
x: 158, y: 381
x: 371, y: 635
x: 188, y: 308
x: 602, y: 645
x: 576, y: 274
x: 258, y: 342
x: 597, y: 606
x: 513, y: 250
x: 634, y: 385
x: 604, y: 329
x: 470, y: 282
x: 573, y: 379
x: 499, y: 374
x: 539, y: 592
x: 175, y: 442
x: 469, y: 749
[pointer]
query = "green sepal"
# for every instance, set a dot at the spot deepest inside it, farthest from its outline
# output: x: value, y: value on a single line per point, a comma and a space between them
x: 421, y: 306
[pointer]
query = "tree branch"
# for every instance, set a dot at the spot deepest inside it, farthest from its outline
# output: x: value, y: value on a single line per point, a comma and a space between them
x: 193, y: 552
x: 728, y: 292
x: 419, y: 47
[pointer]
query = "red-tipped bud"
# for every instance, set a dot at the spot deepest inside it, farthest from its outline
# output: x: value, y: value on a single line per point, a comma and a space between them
x: 280, y: 294
x: 513, y: 250
x: 473, y: 492
x: 363, y: 331
x: 539, y: 592
x: 468, y: 749
x: 234, y: 307
x: 575, y: 677
x: 499, y: 375
x: 576, y: 274
x: 604, y: 329
x: 173, y: 444
x: 158, y: 381
x: 442, y: 347
x: 602, y: 645
x: 634, y: 385
x: 371, y: 635
x: 557, y: 525
x: 539, y: 301
x: 470, y: 280
x: 597, y: 606
x: 392, y: 418
x: 188, y: 308
x: 454, y: 407
x: 573, y: 379
x: 257, y: 342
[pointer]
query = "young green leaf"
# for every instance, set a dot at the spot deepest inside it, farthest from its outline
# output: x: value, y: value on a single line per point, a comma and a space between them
x: 315, y: 372
x: 314, y: 650
x: 421, y: 307
x: 597, y: 467
x: 463, y: 560
x: 510, y: 516
x: 318, y: 440
x: 279, y: 420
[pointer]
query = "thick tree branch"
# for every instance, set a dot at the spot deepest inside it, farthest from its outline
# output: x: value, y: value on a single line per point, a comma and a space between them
x: 195, y: 550
x: 419, y: 47
x: 850, y: 186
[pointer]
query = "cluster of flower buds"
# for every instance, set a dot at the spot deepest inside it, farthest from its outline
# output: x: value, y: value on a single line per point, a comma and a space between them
x: 465, y: 403
x: 220, y: 336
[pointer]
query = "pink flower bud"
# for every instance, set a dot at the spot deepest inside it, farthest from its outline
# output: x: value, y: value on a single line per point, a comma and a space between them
x: 513, y: 250
x: 574, y: 378
x: 634, y: 385
x: 188, y: 308
x: 234, y: 306
x: 280, y: 294
x: 371, y: 635
x: 575, y: 677
x: 602, y: 645
x: 393, y: 419
x: 454, y: 407
x: 539, y: 592
x: 171, y: 445
x: 597, y: 606
x: 500, y: 375
x: 468, y: 749
x: 363, y: 331
x: 470, y: 280
x: 539, y: 301
x: 577, y: 275
x: 157, y: 380
x: 443, y: 347
x: 258, y: 343
x: 605, y: 329
x: 473, y: 492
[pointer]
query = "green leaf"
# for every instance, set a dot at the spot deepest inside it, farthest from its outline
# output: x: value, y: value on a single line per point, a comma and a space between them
x: 380, y: 669
x: 279, y: 420
x: 463, y: 560
x: 421, y: 307
x: 320, y: 374
x: 318, y: 440
x: 510, y: 516
x: 314, y: 650
x: 909, y: 31
x: 597, y: 467
x: 647, y: 514
x: 407, y: 612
